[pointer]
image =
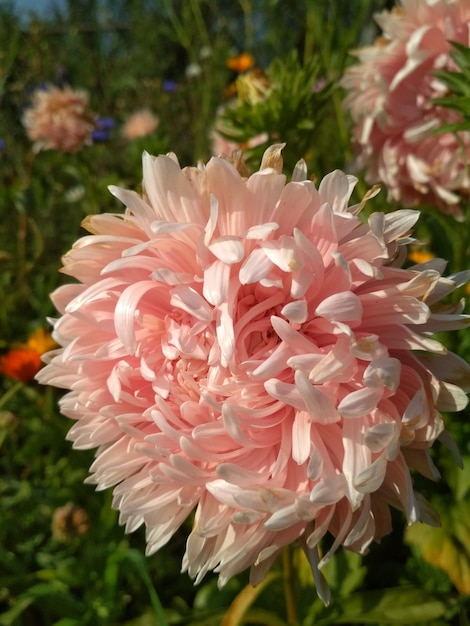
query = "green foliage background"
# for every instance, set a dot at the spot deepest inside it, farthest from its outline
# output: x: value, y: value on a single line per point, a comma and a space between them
x: 131, y: 54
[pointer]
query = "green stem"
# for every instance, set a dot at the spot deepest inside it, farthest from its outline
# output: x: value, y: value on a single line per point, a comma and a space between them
x: 205, y: 91
x: 461, y: 258
x: 10, y: 393
x: 91, y: 204
x: 458, y: 235
x: 200, y: 23
x: 247, y: 8
x: 21, y: 251
x: 289, y: 585
x: 181, y: 35
x: 309, y: 33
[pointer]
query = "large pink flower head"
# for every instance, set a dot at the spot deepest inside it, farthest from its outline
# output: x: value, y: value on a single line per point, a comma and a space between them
x: 250, y: 350
x: 390, y: 99
x: 59, y: 119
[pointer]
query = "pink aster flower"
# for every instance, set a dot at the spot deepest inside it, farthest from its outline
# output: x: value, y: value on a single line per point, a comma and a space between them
x: 249, y: 350
x: 59, y: 119
x: 390, y: 93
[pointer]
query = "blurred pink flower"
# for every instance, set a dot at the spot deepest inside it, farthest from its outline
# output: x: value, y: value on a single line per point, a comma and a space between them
x: 59, y: 119
x: 140, y: 124
x: 250, y: 349
x: 390, y: 94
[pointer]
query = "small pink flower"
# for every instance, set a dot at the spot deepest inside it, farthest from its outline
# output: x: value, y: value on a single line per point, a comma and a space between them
x: 390, y: 93
x: 59, y: 119
x: 250, y: 350
x: 140, y: 124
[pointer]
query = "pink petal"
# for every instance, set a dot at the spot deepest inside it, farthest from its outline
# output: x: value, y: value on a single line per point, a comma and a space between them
x: 216, y: 280
x: 296, y: 311
x: 319, y: 407
x: 342, y: 307
x: 301, y: 442
x: 359, y: 403
x: 187, y: 299
x: 255, y: 267
x: 229, y: 250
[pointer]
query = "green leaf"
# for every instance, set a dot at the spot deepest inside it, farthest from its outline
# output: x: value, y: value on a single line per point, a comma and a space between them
x: 210, y: 597
x: 261, y: 617
x: 137, y: 559
x: 403, y: 605
x: 9, y: 617
x: 458, y: 84
x: 447, y: 547
x: 52, y: 596
x: 147, y: 619
x: 461, y: 485
x: 345, y: 572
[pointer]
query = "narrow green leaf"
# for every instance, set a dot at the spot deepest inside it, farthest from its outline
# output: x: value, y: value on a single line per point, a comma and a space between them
x: 9, y: 617
x: 138, y: 561
x: 399, y: 606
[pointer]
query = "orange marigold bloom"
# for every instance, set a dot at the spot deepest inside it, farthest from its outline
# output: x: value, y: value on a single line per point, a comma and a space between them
x: 241, y: 63
x: 20, y: 363
x: 420, y: 256
x: 23, y: 361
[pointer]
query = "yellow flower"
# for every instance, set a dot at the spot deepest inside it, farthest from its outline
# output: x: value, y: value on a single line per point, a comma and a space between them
x: 41, y: 341
x: 253, y: 86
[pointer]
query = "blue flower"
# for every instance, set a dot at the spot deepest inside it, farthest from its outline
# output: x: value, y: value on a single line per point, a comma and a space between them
x: 99, y: 135
x: 105, y: 123
x: 102, y: 127
x: 169, y: 85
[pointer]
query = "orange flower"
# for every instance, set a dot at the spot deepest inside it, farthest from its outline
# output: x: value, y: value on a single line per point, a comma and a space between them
x: 23, y: 362
x: 420, y: 256
x: 20, y: 363
x: 241, y: 62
